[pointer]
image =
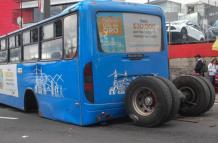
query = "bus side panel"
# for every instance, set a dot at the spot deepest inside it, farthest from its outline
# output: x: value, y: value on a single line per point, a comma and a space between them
x: 57, y: 91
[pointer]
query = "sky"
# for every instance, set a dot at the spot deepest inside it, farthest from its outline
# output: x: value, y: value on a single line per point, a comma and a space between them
x: 180, y: 1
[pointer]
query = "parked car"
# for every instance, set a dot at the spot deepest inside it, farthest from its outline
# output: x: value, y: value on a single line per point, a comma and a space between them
x: 185, y: 31
x: 212, y: 32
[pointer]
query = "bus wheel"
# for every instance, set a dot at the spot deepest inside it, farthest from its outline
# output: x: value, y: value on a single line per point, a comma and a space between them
x: 212, y: 95
x: 197, y: 95
x: 175, y: 98
x: 148, y: 101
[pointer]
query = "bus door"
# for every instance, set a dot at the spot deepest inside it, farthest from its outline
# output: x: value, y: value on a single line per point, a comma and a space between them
x: 129, y: 45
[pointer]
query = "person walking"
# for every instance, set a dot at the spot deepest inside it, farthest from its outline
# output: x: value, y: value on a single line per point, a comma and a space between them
x: 212, y: 70
x: 199, y: 65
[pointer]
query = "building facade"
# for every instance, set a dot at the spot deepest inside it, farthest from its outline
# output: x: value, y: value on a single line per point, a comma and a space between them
x: 8, y: 16
x: 171, y: 8
x: 21, y: 13
x: 32, y: 14
x: 207, y: 12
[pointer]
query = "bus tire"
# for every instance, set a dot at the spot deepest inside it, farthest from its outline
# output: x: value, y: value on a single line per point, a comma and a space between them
x: 148, y: 102
x: 175, y: 98
x: 212, y: 95
x: 196, y: 95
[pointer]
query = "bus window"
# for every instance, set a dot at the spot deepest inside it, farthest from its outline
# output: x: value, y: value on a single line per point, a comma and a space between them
x: 129, y: 32
x: 26, y: 37
x: 34, y: 35
x: 52, y: 49
x: 52, y: 41
x: 15, y: 54
x: 18, y: 40
x: 15, y: 49
x: 4, y: 51
x: 3, y: 44
x: 12, y: 42
x: 70, y: 36
x: 58, y: 28
x: 30, y: 52
x: 3, y: 56
x: 48, y: 31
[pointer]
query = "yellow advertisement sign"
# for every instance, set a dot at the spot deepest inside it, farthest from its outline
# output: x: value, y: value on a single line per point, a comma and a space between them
x: 110, y: 25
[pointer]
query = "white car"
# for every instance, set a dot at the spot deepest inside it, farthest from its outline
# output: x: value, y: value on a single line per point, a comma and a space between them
x: 212, y: 32
x: 185, y: 30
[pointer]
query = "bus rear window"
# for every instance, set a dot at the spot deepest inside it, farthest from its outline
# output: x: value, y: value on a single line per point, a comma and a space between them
x: 129, y: 32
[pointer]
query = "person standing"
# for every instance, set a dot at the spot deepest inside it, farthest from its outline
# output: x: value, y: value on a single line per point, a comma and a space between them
x: 199, y: 65
x: 212, y: 70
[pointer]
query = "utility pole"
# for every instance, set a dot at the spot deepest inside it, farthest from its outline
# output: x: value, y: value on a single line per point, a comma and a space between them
x: 21, y: 14
x: 148, y: 1
x: 44, y: 8
x: 47, y: 8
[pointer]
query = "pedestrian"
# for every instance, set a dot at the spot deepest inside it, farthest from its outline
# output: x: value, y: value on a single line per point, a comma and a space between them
x: 199, y: 66
x: 212, y: 70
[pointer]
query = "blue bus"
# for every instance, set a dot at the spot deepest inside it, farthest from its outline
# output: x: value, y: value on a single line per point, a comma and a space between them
x: 95, y: 61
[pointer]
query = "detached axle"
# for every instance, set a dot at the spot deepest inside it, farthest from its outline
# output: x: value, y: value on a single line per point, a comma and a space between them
x: 198, y: 95
x: 153, y: 100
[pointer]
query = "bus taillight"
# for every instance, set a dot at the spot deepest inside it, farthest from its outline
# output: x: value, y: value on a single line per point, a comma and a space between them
x: 88, y: 83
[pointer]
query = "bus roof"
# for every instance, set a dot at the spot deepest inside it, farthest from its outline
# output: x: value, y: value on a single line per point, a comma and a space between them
x: 95, y: 3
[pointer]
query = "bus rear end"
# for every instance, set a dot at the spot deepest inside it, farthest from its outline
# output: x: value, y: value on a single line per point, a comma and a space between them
x: 128, y: 42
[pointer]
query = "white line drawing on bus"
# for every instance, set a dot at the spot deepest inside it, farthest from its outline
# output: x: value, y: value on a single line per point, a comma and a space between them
x: 120, y: 83
x: 46, y: 84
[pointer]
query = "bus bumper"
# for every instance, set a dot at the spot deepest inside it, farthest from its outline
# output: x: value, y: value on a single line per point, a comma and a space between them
x: 96, y: 113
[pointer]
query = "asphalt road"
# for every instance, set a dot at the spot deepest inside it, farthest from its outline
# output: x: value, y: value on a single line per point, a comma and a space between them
x: 30, y: 128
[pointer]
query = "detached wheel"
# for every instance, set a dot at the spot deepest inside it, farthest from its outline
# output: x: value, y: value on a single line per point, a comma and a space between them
x: 196, y: 94
x: 175, y: 98
x: 212, y: 95
x: 148, y: 101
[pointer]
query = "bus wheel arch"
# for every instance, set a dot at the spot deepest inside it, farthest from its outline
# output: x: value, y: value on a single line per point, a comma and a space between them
x: 30, y: 102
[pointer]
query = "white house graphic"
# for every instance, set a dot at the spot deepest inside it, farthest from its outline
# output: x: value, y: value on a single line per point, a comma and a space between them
x: 46, y: 84
x: 120, y: 83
